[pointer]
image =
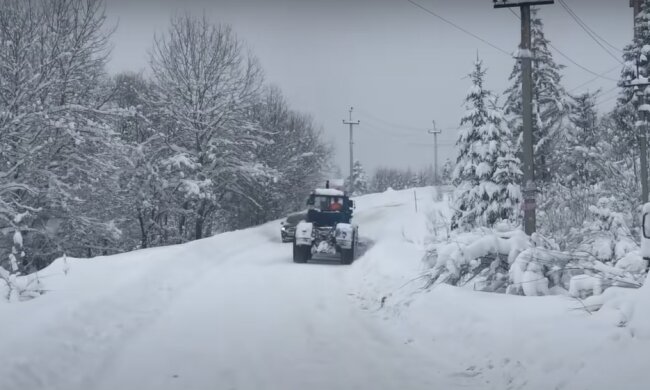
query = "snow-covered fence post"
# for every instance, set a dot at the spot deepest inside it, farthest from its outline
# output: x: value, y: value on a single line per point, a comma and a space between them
x: 415, y: 199
x: 17, y: 254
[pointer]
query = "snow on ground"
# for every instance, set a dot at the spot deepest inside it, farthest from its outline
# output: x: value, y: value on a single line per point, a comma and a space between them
x: 234, y: 312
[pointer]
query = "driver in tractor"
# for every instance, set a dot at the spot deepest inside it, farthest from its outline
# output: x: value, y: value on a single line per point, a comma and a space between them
x: 335, y: 205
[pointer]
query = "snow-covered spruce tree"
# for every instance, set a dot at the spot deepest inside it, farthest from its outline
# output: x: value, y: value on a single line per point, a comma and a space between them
x: 205, y: 87
x: 625, y: 116
x: 447, y: 172
x: 582, y: 160
x: 359, y: 179
x: 415, y: 180
x: 486, y: 172
x: 548, y: 102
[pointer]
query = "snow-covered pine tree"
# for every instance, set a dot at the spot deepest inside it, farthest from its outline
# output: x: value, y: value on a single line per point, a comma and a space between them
x: 549, y: 98
x: 624, y: 116
x: 447, y: 172
x: 582, y: 161
x: 486, y: 172
x: 415, y: 180
x: 359, y: 179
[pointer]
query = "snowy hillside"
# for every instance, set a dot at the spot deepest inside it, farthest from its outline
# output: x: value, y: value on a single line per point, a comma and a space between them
x: 233, y: 312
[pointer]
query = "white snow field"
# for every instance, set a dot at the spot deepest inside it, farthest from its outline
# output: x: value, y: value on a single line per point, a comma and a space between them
x: 234, y: 312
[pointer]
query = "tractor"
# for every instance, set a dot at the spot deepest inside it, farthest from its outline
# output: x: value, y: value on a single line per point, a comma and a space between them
x: 327, y: 228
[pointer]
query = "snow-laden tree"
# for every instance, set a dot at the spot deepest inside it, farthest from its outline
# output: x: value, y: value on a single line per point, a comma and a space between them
x: 583, y: 162
x: 447, y: 171
x: 549, y: 102
x: 294, y: 151
x: 359, y: 180
x: 625, y: 115
x: 486, y: 173
x: 146, y: 207
x: 59, y: 154
x: 205, y: 85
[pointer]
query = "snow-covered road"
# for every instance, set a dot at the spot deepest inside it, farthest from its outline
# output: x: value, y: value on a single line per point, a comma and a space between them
x: 261, y: 322
x: 234, y: 312
x: 228, y: 312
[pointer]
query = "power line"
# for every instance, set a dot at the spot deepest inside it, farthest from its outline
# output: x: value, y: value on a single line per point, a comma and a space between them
x: 373, y: 118
x: 606, y: 100
x: 570, y: 59
x: 585, y: 26
x: 580, y: 66
x: 588, y: 30
x: 601, y: 94
x: 594, y: 79
x: 509, y: 54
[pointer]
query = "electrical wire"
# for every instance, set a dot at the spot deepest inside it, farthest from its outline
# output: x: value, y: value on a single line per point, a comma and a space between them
x: 606, y: 100
x: 594, y: 79
x: 373, y: 118
x: 571, y: 60
x: 588, y: 29
x: 509, y: 54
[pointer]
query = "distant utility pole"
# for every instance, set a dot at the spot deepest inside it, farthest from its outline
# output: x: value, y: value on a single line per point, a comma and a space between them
x: 352, y: 124
x: 640, y: 86
x: 525, y: 55
x: 435, y: 131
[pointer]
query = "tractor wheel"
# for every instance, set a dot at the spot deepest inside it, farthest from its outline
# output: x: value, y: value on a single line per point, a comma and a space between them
x: 347, y: 255
x: 301, y: 253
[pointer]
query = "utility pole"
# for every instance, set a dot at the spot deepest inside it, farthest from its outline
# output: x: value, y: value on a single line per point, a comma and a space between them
x: 639, y: 86
x: 352, y: 124
x: 435, y: 131
x: 525, y: 55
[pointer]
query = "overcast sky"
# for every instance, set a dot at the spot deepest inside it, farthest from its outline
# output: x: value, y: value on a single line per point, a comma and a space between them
x: 399, y: 66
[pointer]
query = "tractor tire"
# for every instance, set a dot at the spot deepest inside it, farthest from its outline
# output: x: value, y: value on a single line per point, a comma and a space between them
x: 301, y: 253
x: 347, y: 255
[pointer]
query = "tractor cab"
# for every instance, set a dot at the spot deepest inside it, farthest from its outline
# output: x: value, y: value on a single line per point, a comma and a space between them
x: 328, y: 227
x: 329, y: 206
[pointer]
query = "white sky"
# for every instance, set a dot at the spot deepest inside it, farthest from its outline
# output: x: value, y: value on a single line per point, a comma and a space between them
x: 399, y: 66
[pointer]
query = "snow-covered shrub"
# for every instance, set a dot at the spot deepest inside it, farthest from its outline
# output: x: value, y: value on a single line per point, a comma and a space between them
x: 607, y: 236
x: 582, y: 286
x: 13, y: 286
x: 506, y: 260
x: 582, y: 220
x: 481, y: 259
x: 542, y: 270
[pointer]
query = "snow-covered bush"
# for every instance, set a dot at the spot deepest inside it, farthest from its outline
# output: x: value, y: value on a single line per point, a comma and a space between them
x: 13, y: 286
x: 511, y: 262
x: 607, y: 235
x: 480, y: 259
x: 582, y: 220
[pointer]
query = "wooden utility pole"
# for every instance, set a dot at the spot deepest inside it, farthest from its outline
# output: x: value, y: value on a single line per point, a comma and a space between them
x: 435, y: 131
x: 639, y: 89
x: 526, y: 56
x: 352, y: 124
